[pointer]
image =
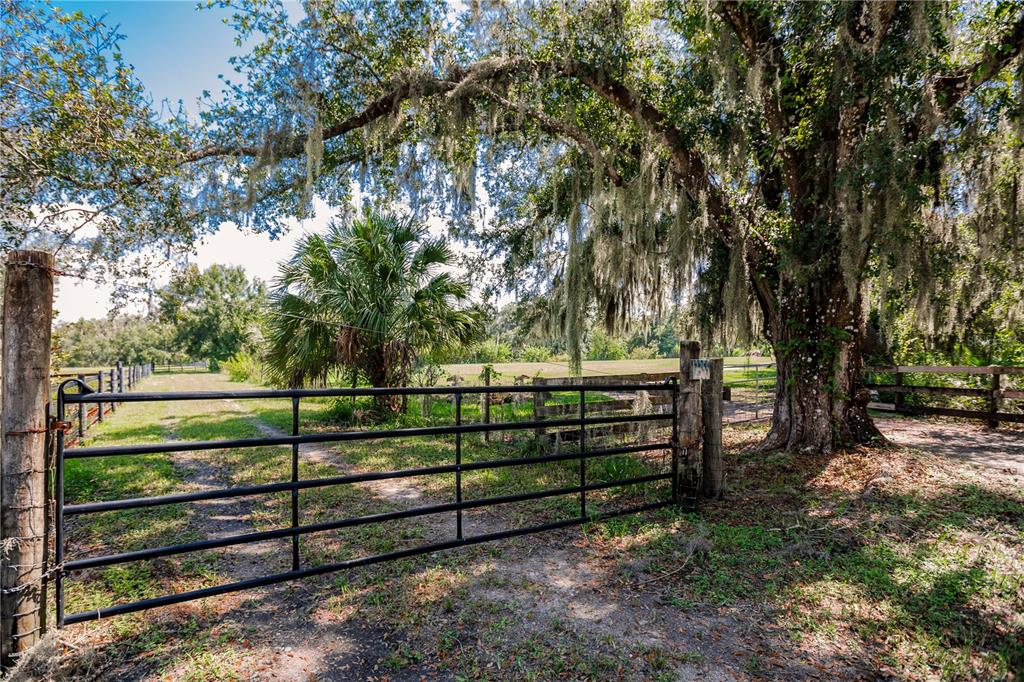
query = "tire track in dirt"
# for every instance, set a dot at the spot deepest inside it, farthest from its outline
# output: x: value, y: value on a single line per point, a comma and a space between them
x: 290, y: 637
x: 402, y: 492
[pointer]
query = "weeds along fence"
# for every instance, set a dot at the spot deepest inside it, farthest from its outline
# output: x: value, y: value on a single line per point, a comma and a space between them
x: 748, y: 393
x: 993, y: 394
x: 115, y: 380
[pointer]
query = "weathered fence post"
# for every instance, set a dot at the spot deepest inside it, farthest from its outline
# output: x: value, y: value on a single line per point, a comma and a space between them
x: 112, y: 388
x: 538, y: 404
x: 711, y: 410
x: 689, y: 415
x: 27, y: 316
x: 82, y: 413
x: 995, y: 398
x: 898, y: 402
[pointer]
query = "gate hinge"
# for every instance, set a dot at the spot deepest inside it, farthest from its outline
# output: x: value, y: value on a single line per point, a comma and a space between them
x: 57, y: 425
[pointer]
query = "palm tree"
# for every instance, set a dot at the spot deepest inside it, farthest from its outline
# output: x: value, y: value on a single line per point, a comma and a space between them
x: 367, y: 296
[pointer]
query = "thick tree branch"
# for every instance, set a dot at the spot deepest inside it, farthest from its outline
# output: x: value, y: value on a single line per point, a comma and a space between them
x: 764, y: 49
x: 557, y: 127
x: 951, y: 89
x: 690, y: 166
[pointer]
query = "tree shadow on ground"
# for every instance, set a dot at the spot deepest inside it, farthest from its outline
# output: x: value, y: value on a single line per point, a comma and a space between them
x: 908, y: 571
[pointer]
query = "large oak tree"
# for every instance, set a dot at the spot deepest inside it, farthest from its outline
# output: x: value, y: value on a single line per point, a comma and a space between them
x: 771, y: 157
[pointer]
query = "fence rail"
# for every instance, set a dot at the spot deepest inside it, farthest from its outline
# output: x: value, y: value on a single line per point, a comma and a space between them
x: 995, y: 394
x: 582, y: 453
x: 118, y: 380
x: 182, y: 367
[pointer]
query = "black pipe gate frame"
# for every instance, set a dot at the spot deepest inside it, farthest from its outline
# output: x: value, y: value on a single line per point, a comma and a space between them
x: 86, y: 395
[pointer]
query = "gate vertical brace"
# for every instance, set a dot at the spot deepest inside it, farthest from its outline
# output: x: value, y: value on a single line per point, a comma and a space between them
x: 458, y: 465
x: 295, y: 480
x: 583, y: 450
x: 99, y: 389
x: 82, y: 412
x: 27, y: 318
x: 487, y: 404
x: 58, y: 512
x: 675, y: 439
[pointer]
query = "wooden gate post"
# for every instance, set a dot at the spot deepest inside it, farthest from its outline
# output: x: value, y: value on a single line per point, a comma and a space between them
x: 689, y: 416
x: 711, y: 408
x: 27, y: 317
x: 539, y: 397
x: 898, y: 402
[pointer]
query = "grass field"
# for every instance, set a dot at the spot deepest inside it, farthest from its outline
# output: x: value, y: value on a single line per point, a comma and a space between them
x: 873, y: 563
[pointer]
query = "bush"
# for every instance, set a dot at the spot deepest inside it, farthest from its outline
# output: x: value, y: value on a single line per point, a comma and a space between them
x: 536, y: 354
x: 644, y: 353
x: 490, y: 352
x: 604, y: 347
x: 244, y: 366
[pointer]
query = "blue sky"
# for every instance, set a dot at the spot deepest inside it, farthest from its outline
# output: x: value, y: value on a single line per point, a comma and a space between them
x: 177, y: 50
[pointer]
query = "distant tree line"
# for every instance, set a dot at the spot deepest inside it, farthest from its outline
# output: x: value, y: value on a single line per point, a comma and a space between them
x: 201, y: 315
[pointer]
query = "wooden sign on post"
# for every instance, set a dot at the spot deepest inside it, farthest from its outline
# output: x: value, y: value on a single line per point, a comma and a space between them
x: 700, y: 369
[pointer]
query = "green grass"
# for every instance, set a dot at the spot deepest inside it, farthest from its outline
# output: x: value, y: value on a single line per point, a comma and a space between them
x: 925, y: 576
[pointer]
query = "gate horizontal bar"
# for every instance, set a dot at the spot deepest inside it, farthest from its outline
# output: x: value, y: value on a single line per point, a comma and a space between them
x: 244, y: 491
x: 339, y: 436
x: 154, y: 602
x: 263, y: 536
x: 358, y: 392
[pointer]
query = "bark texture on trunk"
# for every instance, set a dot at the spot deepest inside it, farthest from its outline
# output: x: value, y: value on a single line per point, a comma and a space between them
x: 27, y: 315
x: 817, y: 332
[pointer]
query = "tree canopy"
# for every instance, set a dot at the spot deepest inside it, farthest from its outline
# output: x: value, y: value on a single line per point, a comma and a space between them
x: 89, y: 168
x: 790, y: 163
x: 779, y: 168
x: 214, y: 312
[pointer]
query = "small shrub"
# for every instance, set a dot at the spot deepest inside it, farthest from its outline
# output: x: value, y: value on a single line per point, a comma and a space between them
x: 644, y: 353
x: 601, y: 346
x: 536, y: 354
x: 243, y: 366
x: 490, y: 352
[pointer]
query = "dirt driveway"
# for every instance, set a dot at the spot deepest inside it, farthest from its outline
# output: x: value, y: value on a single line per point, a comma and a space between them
x: 1001, y: 449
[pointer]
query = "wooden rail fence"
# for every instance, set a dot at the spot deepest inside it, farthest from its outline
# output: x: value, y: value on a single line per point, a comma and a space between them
x: 995, y: 394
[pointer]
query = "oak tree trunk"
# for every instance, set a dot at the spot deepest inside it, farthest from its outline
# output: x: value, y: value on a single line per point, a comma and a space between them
x: 817, y: 332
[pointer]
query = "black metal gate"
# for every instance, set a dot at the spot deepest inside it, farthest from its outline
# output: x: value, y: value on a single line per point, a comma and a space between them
x: 582, y: 422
